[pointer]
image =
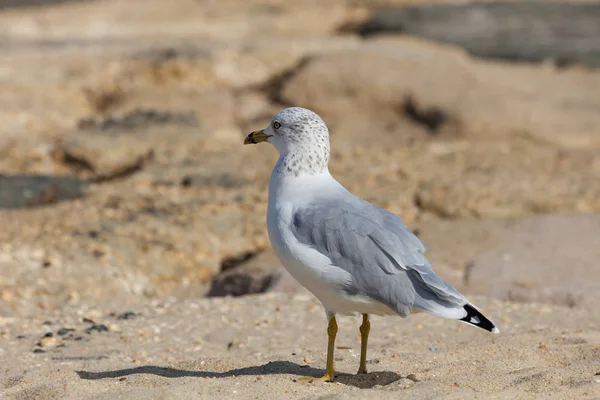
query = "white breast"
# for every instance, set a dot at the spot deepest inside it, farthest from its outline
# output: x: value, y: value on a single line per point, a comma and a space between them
x: 305, y: 264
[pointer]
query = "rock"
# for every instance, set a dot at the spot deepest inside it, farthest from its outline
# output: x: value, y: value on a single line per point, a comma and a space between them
x: 377, y: 4
x: 139, y: 119
x: 256, y: 64
x: 384, y: 84
x: 255, y: 274
x: 455, y: 243
x: 514, y: 31
x: 20, y: 191
x: 483, y: 156
x: 253, y: 66
x: 89, y: 155
x: 551, y: 259
x: 519, y: 180
x: 5, y: 4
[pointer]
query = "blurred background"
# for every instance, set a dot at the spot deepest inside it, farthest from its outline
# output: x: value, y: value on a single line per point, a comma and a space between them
x: 123, y: 178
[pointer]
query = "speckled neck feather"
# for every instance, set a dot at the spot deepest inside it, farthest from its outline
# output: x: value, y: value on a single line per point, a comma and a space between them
x: 310, y: 161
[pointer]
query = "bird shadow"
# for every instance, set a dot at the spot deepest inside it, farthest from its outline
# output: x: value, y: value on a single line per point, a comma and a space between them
x: 362, y: 381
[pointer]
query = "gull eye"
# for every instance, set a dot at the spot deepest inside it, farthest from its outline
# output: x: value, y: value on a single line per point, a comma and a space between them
x: 276, y: 125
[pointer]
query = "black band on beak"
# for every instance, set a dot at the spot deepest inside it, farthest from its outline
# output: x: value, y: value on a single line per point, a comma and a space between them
x: 256, y: 137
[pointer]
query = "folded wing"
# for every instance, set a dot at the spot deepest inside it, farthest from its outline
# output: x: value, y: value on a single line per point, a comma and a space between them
x: 384, y: 258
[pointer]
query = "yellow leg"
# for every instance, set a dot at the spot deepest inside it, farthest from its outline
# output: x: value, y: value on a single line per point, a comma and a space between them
x: 332, y: 329
x: 364, y: 338
x: 331, y: 333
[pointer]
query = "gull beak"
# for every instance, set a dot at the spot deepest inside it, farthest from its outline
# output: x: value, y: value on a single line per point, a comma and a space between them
x: 256, y: 137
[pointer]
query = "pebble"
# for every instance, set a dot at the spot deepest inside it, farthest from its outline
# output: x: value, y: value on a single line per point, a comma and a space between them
x: 47, y: 341
x: 127, y: 315
x: 97, y: 328
x: 64, y: 331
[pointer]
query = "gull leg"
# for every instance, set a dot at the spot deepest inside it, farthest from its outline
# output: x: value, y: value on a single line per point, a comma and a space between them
x: 364, y: 338
x: 331, y: 333
x: 332, y: 329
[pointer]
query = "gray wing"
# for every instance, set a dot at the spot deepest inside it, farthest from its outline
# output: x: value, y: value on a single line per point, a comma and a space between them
x: 384, y: 258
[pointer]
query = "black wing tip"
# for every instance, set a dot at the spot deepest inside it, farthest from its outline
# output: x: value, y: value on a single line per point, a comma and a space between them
x: 475, y: 318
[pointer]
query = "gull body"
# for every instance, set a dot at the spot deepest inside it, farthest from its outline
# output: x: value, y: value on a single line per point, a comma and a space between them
x: 308, y: 266
x: 353, y: 256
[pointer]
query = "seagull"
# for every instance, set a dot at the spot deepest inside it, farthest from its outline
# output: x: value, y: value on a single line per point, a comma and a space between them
x: 356, y: 258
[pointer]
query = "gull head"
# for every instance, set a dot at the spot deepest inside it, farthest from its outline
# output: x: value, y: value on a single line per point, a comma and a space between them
x: 292, y: 129
x: 300, y: 136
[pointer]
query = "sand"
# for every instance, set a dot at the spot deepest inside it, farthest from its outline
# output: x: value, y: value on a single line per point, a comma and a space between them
x: 258, y: 346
